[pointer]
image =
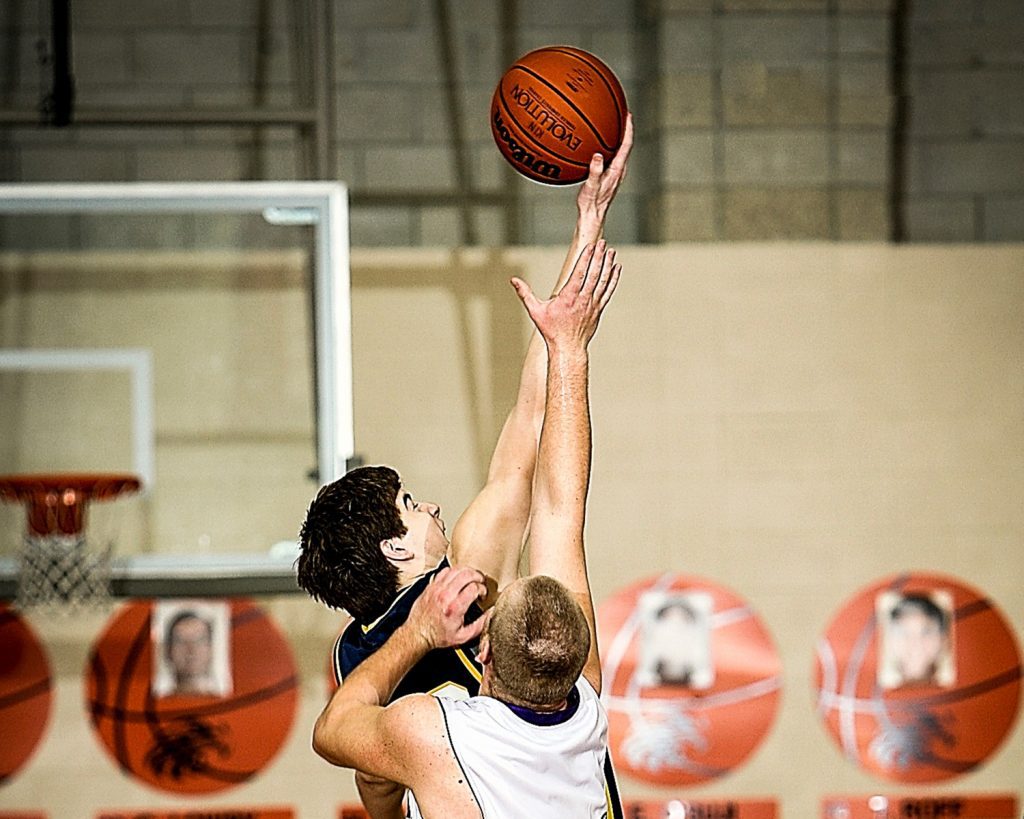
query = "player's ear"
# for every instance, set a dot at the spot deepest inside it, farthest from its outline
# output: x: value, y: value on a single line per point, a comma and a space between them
x: 483, y: 652
x: 395, y: 549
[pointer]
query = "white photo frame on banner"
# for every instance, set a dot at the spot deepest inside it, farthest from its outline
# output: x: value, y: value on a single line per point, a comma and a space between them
x: 191, y: 648
x: 675, y: 640
x: 916, y: 639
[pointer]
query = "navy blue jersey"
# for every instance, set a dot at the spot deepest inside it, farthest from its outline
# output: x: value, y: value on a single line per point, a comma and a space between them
x: 452, y: 672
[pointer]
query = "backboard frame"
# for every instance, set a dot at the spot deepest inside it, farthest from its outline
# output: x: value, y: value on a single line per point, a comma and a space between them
x: 320, y: 204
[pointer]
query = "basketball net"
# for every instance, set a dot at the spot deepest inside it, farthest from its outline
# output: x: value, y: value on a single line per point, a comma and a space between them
x: 60, y: 569
x: 63, y: 573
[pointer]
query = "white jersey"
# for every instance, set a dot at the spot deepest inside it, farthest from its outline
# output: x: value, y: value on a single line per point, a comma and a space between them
x: 522, y: 763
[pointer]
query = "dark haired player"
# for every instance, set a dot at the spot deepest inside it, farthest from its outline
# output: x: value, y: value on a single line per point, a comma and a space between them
x: 370, y: 547
x: 533, y: 743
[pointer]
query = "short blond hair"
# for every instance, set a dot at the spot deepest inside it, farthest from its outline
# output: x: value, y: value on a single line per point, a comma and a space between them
x: 539, y: 641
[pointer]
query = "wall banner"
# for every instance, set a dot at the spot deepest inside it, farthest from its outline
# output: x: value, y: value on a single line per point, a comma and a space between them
x: 918, y: 678
x: 691, y: 679
x: 933, y: 806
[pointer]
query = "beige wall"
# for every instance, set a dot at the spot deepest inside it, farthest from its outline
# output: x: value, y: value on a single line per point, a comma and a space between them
x: 791, y: 421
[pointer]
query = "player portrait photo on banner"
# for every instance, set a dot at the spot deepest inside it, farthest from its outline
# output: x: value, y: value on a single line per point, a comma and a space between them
x: 675, y: 640
x: 917, y: 639
x: 191, y: 648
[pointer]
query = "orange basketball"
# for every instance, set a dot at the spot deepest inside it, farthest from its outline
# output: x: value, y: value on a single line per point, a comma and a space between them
x: 680, y: 729
x: 192, y: 744
x: 553, y: 110
x: 24, y: 692
x: 921, y: 726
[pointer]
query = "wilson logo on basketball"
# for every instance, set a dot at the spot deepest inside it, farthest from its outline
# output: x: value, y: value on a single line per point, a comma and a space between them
x: 544, y: 121
x: 521, y: 155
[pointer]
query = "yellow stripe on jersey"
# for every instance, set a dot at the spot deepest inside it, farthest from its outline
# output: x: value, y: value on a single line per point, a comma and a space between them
x: 450, y: 688
x: 469, y: 664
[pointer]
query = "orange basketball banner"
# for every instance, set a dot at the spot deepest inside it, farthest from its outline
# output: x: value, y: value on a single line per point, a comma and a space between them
x: 21, y: 815
x: 692, y: 679
x: 918, y: 678
x: 700, y: 809
x: 933, y: 806
x: 186, y: 741
x: 193, y: 813
x: 25, y: 693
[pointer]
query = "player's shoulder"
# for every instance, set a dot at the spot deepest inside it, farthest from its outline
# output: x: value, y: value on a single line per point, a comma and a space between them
x: 416, y: 720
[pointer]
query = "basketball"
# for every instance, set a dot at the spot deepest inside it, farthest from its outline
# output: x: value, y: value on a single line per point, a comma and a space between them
x: 935, y: 725
x: 678, y: 728
x: 553, y: 109
x: 25, y: 692
x: 188, y: 743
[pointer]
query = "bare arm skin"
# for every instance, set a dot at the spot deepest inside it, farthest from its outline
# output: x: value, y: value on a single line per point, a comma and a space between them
x: 356, y: 730
x: 490, y: 534
x: 567, y: 322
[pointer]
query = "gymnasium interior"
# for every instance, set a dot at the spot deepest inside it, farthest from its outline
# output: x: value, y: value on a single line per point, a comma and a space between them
x: 246, y: 245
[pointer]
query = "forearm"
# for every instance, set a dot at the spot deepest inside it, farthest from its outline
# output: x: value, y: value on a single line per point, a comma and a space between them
x: 371, y: 684
x: 563, y: 471
x: 528, y: 411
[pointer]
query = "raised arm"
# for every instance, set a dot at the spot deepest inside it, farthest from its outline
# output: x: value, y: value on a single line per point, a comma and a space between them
x: 490, y: 534
x: 567, y: 322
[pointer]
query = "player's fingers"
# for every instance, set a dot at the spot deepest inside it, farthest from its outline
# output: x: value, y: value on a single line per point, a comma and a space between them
x: 468, y: 594
x: 592, y: 274
x: 603, y: 272
x: 591, y: 187
x: 578, y: 276
x: 606, y: 272
x: 471, y: 631
x: 460, y: 575
x: 526, y: 295
x: 613, y: 282
x: 618, y: 163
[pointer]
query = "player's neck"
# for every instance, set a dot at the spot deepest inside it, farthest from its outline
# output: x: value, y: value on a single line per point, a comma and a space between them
x: 407, y: 575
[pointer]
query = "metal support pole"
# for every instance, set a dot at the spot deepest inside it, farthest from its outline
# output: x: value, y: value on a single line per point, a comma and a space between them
x: 62, y: 97
x: 448, y: 57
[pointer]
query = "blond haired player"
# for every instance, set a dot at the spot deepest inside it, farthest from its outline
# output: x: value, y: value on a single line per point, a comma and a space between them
x: 533, y: 743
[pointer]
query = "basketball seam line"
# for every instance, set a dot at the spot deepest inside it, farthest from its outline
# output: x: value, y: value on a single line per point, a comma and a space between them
x: 600, y: 73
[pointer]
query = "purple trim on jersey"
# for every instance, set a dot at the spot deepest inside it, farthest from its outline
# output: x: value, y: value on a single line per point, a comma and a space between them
x: 547, y: 717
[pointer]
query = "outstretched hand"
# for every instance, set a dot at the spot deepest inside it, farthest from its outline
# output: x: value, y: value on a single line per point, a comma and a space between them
x: 438, y: 615
x: 571, y: 316
x: 599, y: 188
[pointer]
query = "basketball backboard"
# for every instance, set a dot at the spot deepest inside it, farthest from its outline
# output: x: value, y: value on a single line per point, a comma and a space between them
x: 155, y: 336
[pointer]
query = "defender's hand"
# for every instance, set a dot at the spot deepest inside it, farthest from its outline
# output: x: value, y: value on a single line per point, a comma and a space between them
x: 439, y: 613
x: 570, y: 318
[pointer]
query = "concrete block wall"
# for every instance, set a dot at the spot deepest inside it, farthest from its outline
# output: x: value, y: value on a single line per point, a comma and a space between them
x: 774, y: 120
x: 966, y: 140
x: 759, y: 119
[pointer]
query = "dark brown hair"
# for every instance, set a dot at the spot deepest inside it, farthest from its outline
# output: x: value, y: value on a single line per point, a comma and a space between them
x: 341, y: 563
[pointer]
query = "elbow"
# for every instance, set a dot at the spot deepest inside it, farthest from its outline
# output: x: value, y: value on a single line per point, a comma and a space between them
x: 320, y: 739
x: 323, y: 743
